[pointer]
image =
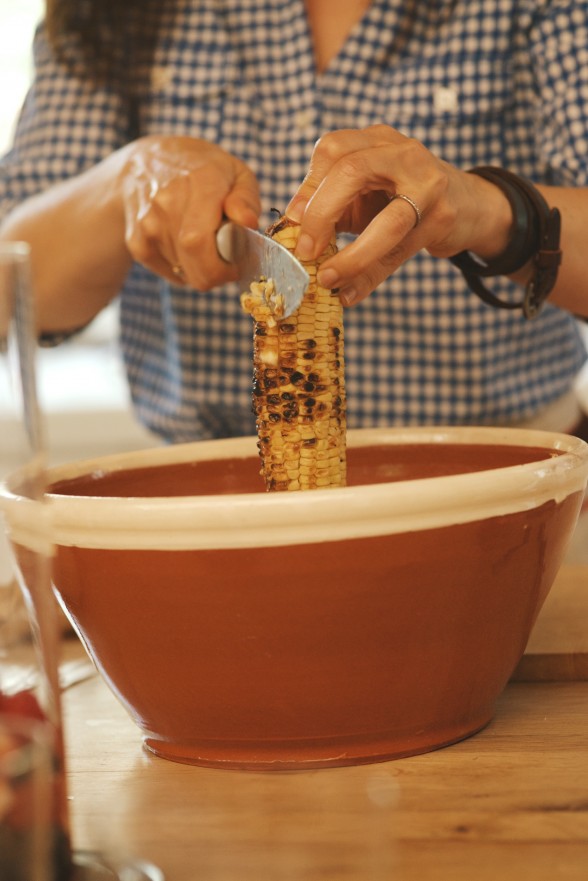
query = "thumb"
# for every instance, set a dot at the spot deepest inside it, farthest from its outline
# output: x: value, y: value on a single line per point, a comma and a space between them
x: 242, y: 204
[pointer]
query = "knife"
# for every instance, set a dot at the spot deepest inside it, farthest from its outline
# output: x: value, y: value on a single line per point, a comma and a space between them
x: 258, y: 256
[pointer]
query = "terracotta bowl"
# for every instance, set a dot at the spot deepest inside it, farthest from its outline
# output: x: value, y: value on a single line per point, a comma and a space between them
x: 284, y: 630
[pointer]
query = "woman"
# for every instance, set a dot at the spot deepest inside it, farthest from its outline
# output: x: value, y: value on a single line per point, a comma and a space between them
x: 145, y: 126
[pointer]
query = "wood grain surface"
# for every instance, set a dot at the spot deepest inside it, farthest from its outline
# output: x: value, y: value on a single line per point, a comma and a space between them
x: 558, y: 647
x: 510, y: 803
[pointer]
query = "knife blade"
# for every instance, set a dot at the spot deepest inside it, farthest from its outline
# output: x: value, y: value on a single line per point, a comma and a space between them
x: 258, y: 256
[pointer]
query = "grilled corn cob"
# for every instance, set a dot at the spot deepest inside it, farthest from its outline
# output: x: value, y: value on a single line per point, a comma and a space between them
x: 298, y: 380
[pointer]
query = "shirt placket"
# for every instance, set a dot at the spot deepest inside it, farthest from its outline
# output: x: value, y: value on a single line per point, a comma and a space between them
x: 278, y: 67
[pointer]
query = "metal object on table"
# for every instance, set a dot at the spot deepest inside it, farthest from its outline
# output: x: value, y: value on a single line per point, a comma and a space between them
x: 89, y: 866
x: 29, y: 678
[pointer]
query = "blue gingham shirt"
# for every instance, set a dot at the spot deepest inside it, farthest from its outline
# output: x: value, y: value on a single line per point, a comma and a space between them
x: 499, y: 82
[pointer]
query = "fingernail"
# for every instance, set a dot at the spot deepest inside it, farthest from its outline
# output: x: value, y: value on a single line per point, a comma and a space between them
x: 305, y: 247
x: 328, y: 278
x: 295, y: 210
x: 348, y: 296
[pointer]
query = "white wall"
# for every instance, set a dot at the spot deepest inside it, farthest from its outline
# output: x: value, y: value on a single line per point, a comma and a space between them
x: 17, y: 22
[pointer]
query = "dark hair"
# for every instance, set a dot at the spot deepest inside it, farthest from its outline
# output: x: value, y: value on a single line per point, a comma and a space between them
x: 109, y: 33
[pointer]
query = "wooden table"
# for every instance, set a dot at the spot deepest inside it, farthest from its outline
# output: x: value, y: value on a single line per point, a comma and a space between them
x: 510, y: 803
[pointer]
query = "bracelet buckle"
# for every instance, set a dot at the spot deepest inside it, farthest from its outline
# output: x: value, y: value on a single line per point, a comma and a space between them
x: 536, y: 237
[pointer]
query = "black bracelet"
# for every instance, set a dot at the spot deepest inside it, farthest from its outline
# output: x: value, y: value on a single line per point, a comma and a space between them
x: 535, y: 236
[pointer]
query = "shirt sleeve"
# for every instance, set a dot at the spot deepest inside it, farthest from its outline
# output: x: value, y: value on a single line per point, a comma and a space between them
x: 559, y: 53
x: 65, y: 126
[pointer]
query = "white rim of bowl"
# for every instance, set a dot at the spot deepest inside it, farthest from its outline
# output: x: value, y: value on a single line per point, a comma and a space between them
x: 276, y: 519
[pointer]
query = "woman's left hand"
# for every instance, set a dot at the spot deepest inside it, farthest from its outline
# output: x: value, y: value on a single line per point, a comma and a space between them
x: 353, y: 184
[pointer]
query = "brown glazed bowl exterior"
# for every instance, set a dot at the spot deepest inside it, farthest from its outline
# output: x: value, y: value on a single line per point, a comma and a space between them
x: 245, y: 629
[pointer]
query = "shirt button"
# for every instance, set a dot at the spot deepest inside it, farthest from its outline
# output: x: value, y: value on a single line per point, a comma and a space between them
x: 445, y: 100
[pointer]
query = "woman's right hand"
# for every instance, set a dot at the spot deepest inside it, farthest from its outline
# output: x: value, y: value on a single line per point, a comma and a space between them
x: 157, y: 200
x: 176, y: 192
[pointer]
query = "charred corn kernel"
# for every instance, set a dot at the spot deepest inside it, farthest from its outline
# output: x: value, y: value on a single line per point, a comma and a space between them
x: 298, y: 380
